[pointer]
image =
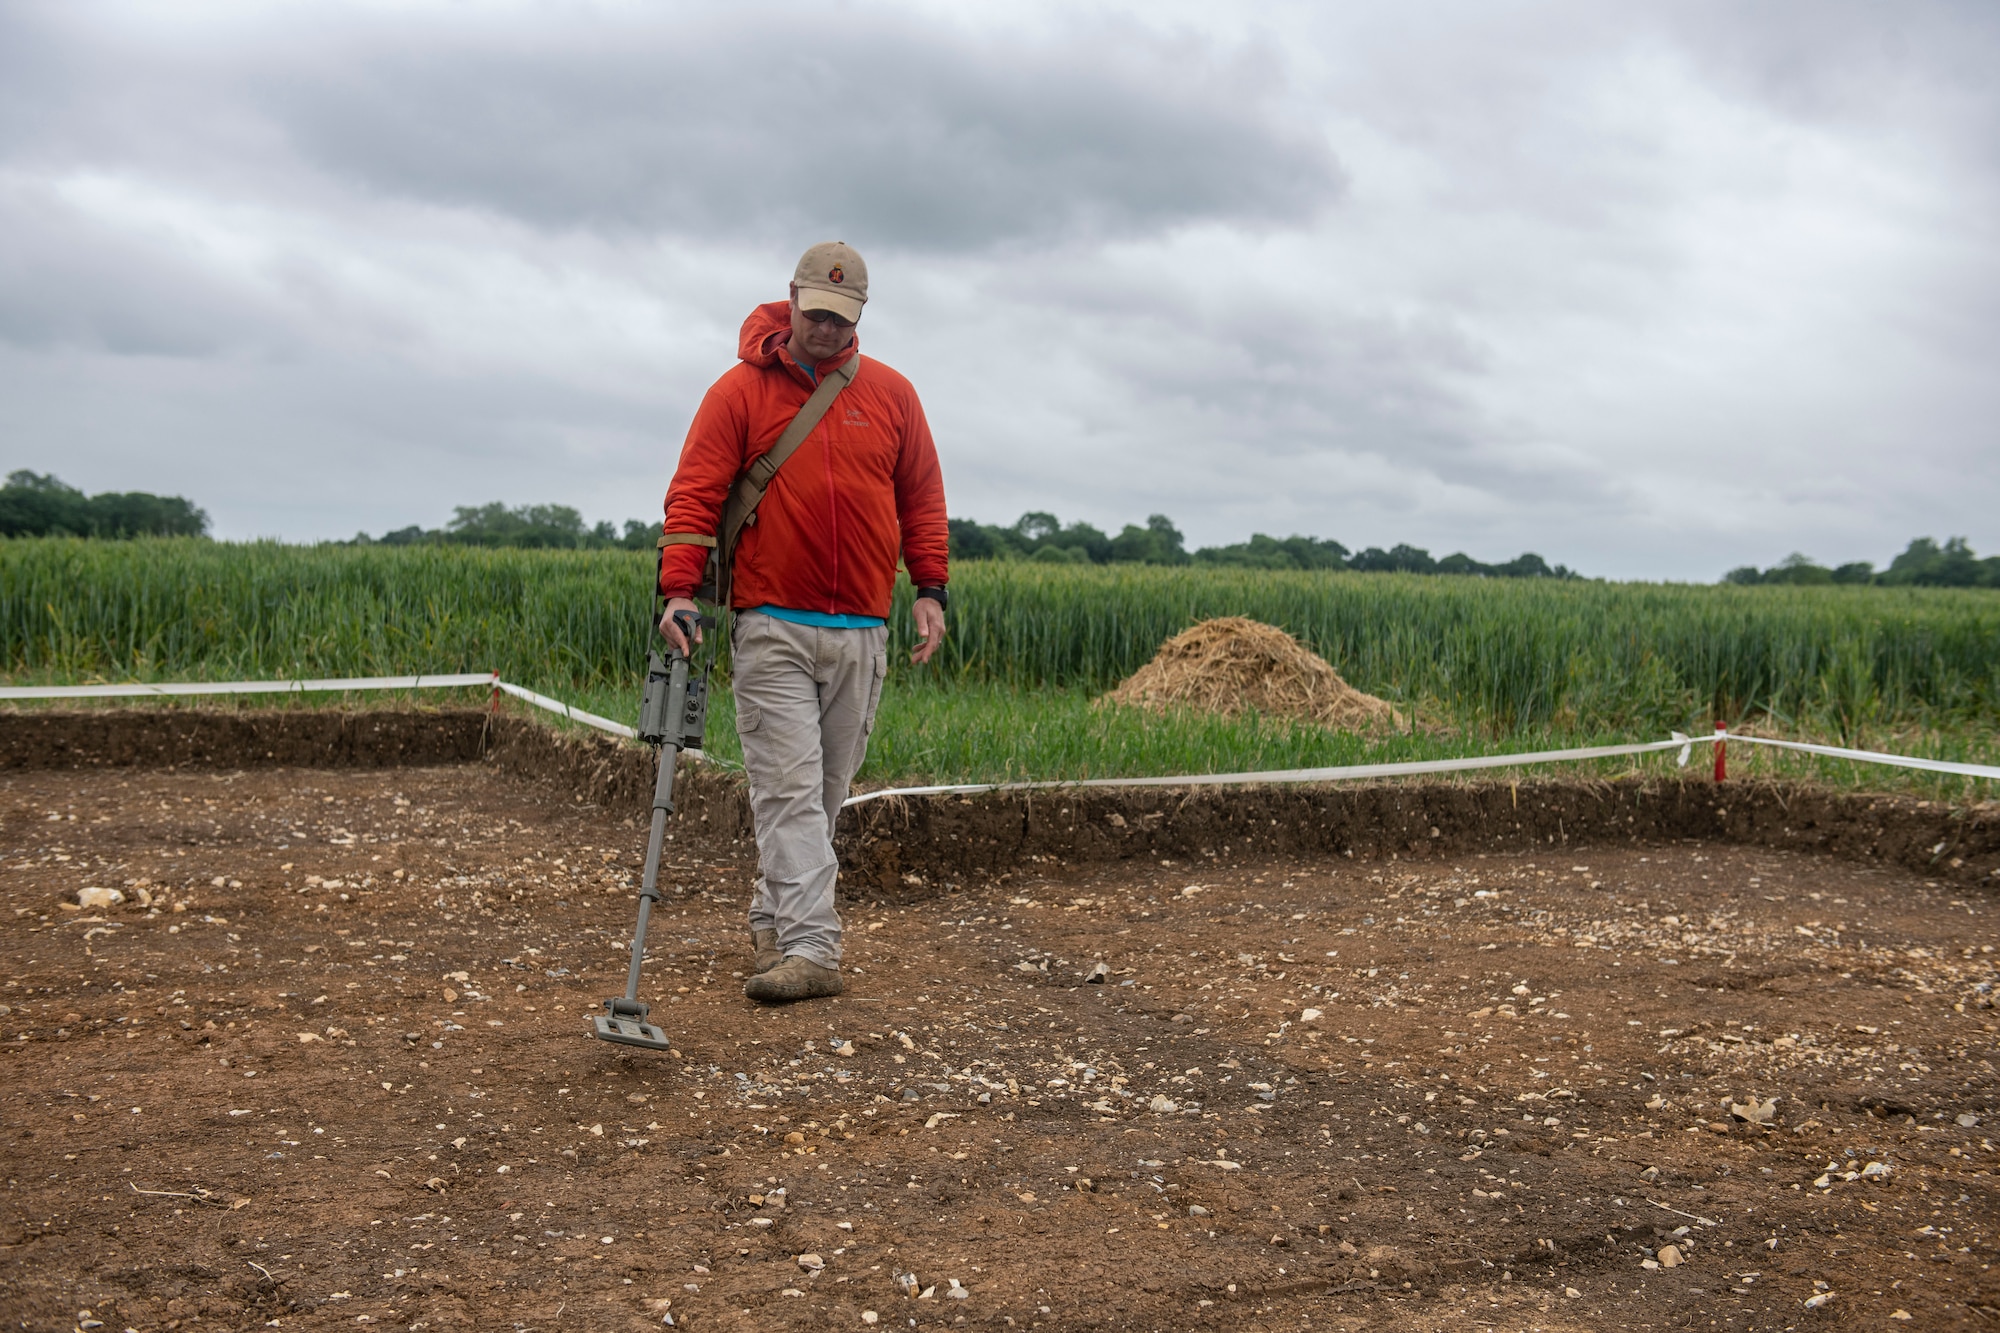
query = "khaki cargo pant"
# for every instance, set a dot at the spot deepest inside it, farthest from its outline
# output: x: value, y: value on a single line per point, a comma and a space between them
x: 805, y: 703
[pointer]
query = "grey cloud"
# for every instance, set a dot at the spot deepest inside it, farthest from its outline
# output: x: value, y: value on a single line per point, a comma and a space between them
x: 755, y: 123
x: 1595, y: 259
x: 1354, y: 429
x: 1299, y: 383
x: 1851, y: 62
x: 319, y: 448
x: 68, y: 281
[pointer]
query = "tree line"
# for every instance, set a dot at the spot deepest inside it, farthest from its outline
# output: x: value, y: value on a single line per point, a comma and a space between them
x: 34, y: 504
x: 557, y: 527
x: 1036, y: 535
x: 1923, y: 563
x: 1041, y: 536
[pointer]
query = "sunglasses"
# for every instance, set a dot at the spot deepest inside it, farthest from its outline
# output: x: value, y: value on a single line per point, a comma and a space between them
x: 828, y: 317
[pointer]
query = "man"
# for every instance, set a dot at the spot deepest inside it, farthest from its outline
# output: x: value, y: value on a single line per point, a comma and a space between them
x: 813, y: 576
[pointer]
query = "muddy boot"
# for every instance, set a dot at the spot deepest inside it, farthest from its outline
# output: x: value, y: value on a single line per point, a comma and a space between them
x: 794, y: 979
x: 765, y: 944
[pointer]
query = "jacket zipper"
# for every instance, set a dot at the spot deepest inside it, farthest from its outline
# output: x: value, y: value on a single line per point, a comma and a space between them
x: 832, y: 512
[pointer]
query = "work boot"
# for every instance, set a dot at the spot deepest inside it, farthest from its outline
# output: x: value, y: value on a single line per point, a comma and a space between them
x: 765, y: 945
x: 794, y: 979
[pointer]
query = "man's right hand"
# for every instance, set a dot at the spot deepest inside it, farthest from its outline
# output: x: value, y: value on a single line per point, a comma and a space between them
x: 671, y: 632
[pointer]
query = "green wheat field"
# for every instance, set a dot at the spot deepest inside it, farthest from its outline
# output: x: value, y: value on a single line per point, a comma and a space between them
x: 1481, y: 665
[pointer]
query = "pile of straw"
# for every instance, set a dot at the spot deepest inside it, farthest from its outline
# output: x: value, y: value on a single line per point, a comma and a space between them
x: 1235, y: 665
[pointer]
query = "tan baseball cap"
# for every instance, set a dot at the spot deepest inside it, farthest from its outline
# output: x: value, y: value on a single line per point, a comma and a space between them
x: 831, y: 276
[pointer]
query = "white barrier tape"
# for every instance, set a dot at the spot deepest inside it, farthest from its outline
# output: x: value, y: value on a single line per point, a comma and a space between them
x: 593, y: 720
x: 1421, y: 766
x: 1343, y: 774
x: 486, y: 678
x: 1868, y: 756
x: 243, y: 687
x: 573, y: 714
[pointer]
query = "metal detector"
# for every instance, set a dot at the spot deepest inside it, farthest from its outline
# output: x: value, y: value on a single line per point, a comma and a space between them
x: 672, y: 714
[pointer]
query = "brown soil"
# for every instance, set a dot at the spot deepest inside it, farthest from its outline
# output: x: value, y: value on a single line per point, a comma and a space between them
x: 584, y: 765
x: 910, y: 849
x: 1515, y: 1086
x: 247, y: 737
x: 1234, y: 665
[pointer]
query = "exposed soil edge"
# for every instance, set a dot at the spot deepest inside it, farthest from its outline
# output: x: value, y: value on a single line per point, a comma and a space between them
x: 951, y: 838
x: 238, y: 738
x: 596, y: 768
x: 908, y: 848
x: 620, y: 775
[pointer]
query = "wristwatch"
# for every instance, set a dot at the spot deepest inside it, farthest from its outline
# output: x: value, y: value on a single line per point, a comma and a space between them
x: 937, y: 595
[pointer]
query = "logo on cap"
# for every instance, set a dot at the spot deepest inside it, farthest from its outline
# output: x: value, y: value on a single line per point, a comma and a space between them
x: 834, y: 274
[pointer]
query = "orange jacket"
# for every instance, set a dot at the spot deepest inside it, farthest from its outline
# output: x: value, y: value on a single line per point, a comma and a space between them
x: 863, y: 487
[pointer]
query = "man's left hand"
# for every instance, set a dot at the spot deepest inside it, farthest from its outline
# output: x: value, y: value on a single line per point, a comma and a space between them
x: 930, y: 623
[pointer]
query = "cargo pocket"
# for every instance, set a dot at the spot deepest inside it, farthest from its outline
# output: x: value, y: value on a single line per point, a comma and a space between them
x: 879, y: 674
x: 748, y: 718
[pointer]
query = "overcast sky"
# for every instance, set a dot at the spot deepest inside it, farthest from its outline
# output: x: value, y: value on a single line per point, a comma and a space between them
x: 1652, y: 290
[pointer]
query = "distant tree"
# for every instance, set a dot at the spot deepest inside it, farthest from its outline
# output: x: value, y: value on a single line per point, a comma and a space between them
x: 1399, y: 559
x: 1528, y: 565
x: 1798, y: 569
x: 1412, y: 559
x: 1038, y: 531
x: 1135, y: 545
x: 1315, y: 552
x: 1265, y: 552
x: 525, y: 525
x: 1035, y: 528
x: 141, y: 514
x: 549, y: 526
x: 973, y: 540
x: 1917, y: 562
x: 37, y: 505
x: 1952, y: 565
x: 1088, y: 541
x: 1372, y: 560
x: 1158, y: 543
x: 1923, y: 563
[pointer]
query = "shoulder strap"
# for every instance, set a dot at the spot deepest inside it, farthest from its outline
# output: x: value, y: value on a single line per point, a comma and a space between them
x: 749, y: 490
x: 766, y: 466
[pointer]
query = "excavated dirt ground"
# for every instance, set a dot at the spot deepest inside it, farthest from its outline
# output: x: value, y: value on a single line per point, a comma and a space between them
x: 337, y: 1074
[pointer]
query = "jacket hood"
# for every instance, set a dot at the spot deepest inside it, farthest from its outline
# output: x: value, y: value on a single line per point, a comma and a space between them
x: 769, y: 328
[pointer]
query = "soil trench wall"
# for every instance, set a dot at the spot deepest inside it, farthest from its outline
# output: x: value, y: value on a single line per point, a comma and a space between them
x: 951, y: 838
x: 907, y: 848
x: 168, y: 738
x: 595, y: 768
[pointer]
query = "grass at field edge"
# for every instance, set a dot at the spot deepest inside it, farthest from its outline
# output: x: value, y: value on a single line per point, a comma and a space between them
x: 981, y: 734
